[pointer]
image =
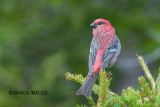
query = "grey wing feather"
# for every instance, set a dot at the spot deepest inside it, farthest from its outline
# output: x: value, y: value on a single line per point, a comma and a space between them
x: 106, y: 58
x: 92, y: 56
x: 110, y: 54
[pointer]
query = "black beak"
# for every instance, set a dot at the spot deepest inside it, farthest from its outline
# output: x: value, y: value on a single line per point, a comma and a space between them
x: 93, y: 25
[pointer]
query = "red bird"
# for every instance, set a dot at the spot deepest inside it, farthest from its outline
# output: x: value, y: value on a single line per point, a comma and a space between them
x: 104, y: 51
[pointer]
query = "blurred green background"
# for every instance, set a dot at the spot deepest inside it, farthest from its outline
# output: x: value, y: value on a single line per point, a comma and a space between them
x: 40, y: 40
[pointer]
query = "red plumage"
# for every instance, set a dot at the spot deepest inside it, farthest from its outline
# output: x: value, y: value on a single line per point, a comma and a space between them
x: 104, y: 50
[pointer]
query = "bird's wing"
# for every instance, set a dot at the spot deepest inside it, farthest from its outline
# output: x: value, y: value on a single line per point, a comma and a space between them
x: 107, y: 55
x: 92, y: 56
x: 110, y: 53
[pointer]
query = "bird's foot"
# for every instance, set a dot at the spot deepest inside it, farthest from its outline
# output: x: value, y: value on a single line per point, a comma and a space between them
x: 109, y: 75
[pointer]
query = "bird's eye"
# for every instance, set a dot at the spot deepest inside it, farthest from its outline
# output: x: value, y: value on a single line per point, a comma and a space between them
x: 100, y: 23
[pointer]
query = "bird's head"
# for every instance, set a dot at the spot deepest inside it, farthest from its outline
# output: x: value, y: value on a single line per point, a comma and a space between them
x: 100, y: 22
x: 101, y: 25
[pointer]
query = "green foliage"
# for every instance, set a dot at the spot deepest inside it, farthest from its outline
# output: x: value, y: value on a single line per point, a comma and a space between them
x: 81, y: 105
x: 78, y: 78
x: 145, y: 89
x: 147, y: 95
x: 131, y: 97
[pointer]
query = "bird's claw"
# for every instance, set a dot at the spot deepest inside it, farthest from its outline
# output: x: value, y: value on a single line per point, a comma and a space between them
x: 109, y: 75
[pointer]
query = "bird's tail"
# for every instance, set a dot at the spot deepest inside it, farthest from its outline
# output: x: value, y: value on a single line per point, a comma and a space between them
x: 86, y: 88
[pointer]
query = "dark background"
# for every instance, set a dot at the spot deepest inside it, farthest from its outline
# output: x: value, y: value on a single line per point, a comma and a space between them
x: 40, y: 40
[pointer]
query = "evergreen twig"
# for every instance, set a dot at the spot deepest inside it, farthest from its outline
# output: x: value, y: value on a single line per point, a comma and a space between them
x: 130, y: 97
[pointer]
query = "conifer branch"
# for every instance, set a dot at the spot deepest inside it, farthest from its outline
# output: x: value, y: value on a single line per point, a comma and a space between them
x: 129, y: 97
x: 147, y: 73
